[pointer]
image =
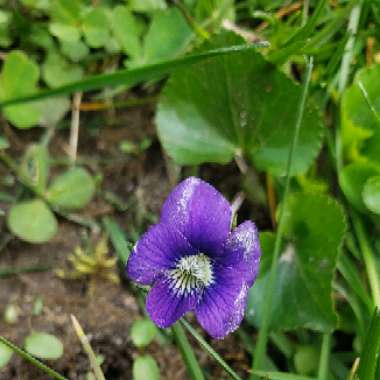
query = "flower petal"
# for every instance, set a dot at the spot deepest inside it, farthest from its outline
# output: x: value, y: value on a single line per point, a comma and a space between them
x: 164, y: 306
x: 242, y: 251
x: 200, y: 212
x: 156, y: 251
x: 222, y: 307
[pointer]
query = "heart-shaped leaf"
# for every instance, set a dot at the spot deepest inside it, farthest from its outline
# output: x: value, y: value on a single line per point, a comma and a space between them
x: 302, y: 297
x: 71, y: 190
x: 242, y: 102
x: 32, y: 221
x: 44, y: 346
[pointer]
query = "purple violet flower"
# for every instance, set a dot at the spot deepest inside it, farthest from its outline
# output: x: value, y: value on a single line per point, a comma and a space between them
x: 194, y: 262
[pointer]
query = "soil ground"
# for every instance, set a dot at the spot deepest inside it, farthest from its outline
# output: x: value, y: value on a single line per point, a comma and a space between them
x: 106, y: 311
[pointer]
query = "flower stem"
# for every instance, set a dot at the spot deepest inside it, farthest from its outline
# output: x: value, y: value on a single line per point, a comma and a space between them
x: 29, y: 358
x: 262, y: 341
x: 325, y: 357
x: 187, y: 352
x: 211, y: 351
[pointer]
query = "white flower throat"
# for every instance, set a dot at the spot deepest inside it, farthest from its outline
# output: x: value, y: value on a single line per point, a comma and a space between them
x: 191, y: 273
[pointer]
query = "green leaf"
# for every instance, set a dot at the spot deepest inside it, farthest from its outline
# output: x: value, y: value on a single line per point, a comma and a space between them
x: 44, y: 346
x: 64, y: 32
x: 75, y: 51
x: 168, y: 36
x: 66, y: 11
x: 32, y: 221
x: 60, y: 105
x: 145, y: 367
x: 146, y: 6
x: 126, y: 31
x: 5, y: 355
x: 360, y: 123
x: 58, y: 72
x: 5, y: 21
x: 35, y: 167
x: 208, y: 112
x: 371, y: 194
x: 95, y: 27
x: 18, y: 78
x: 72, y: 189
x: 352, y: 180
x: 314, y: 228
x: 143, y: 332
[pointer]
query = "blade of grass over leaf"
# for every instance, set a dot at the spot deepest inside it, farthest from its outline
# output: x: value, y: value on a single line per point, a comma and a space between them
x: 29, y: 358
x: 260, y: 350
x: 344, y: 72
x: 368, y: 359
x: 211, y: 351
x: 187, y: 353
x: 131, y: 77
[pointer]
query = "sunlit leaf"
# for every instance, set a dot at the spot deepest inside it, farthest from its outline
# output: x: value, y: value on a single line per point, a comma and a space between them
x: 126, y: 31
x: 5, y: 355
x: 72, y: 189
x: 32, y: 221
x: 143, y: 331
x: 58, y: 72
x: 95, y: 27
x: 44, y: 346
x: 18, y: 78
x: 361, y: 120
x: 371, y: 194
x: 168, y: 35
x: 145, y: 367
x: 352, y: 180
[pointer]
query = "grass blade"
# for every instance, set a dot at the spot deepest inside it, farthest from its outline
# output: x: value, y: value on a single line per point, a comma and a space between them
x: 280, y: 376
x: 131, y: 77
x: 369, y: 357
x: 211, y: 351
x: 187, y: 353
x: 324, y: 361
x: 88, y: 349
x: 264, y: 330
x: 32, y: 360
x: 118, y: 240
